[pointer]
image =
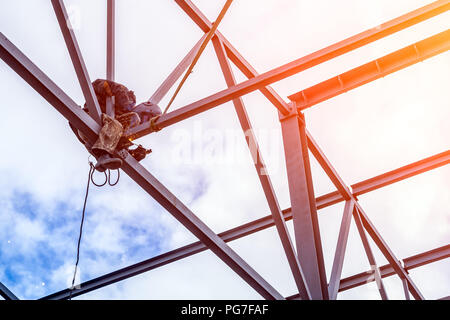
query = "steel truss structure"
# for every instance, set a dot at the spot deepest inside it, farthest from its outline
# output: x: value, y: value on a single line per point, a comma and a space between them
x: 306, y: 257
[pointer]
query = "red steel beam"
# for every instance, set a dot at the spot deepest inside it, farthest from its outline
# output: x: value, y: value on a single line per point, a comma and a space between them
x: 402, y: 173
x: 291, y: 68
x: 387, y: 270
x: 372, y: 71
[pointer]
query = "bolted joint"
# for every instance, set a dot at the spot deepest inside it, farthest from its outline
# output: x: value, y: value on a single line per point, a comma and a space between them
x: 123, y: 154
x: 293, y: 112
x: 402, y: 263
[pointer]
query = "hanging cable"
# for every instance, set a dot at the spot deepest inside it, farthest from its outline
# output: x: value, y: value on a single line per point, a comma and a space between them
x: 90, y: 179
x: 91, y: 170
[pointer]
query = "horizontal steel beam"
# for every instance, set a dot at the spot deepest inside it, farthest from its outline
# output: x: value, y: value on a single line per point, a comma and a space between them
x: 385, y: 179
x: 162, y: 259
x: 372, y: 71
x: 6, y: 293
x: 422, y: 259
x: 402, y: 173
x: 387, y: 270
x: 35, y: 77
x: 292, y: 68
x: 252, y: 227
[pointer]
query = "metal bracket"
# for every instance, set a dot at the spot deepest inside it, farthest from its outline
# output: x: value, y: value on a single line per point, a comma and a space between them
x: 293, y: 112
x: 122, y: 153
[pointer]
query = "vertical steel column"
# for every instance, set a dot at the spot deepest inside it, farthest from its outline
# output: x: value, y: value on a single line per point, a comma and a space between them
x: 304, y: 211
x: 262, y: 173
x: 77, y: 59
x: 341, y: 246
x: 110, y: 39
x: 110, y: 51
x: 373, y: 264
x: 197, y: 227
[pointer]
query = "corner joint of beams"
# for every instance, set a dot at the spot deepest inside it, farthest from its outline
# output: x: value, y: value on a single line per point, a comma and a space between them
x: 293, y: 112
x: 402, y: 263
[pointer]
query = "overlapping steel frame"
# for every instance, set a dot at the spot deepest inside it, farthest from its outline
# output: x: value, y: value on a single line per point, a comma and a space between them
x: 306, y: 261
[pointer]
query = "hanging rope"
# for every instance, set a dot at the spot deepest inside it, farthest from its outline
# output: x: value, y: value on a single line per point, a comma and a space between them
x: 211, y: 32
x: 90, y: 179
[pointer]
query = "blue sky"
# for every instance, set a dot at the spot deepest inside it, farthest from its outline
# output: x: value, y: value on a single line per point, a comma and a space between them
x: 204, y: 161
